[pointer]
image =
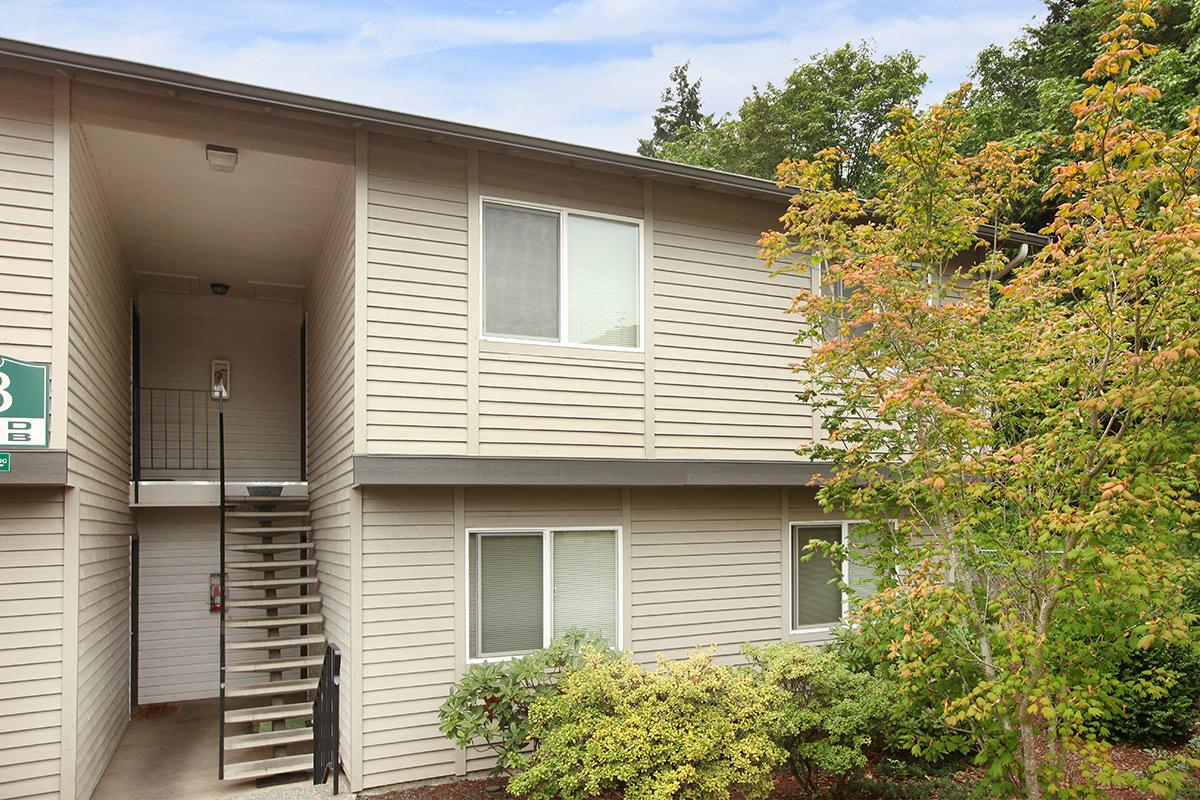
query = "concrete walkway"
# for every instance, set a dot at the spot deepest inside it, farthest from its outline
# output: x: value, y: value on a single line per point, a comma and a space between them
x: 175, y: 758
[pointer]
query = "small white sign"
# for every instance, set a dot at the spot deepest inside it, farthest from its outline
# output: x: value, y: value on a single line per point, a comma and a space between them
x: 220, y: 380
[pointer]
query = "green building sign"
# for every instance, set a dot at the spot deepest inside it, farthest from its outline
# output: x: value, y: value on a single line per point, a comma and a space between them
x: 24, y: 403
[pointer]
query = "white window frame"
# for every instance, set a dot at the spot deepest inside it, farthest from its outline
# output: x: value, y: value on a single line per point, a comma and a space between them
x: 845, y: 524
x: 547, y: 535
x: 563, y: 213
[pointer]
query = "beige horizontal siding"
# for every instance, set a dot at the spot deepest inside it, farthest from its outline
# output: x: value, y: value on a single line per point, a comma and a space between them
x: 330, y: 374
x: 26, y: 210
x: 408, y: 641
x: 512, y: 177
x: 536, y: 401
x: 416, y: 311
x: 98, y: 436
x: 181, y: 336
x: 706, y: 568
x: 719, y: 341
x: 31, y: 642
x: 722, y: 342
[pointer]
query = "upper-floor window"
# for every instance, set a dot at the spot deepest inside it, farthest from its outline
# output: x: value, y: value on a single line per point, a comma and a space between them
x: 559, y: 276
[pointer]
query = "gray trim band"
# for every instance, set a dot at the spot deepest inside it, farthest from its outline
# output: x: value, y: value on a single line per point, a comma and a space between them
x: 390, y: 470
x: 36, y: 468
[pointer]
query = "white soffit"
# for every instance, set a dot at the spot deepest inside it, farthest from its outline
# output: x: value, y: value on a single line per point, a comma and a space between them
x: 176, y: 216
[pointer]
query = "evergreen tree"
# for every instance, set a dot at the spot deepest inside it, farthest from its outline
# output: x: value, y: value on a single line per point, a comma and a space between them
x: 678, y: 115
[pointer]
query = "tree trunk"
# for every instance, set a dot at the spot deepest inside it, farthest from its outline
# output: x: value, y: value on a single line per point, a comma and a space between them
x: 1029, y: 760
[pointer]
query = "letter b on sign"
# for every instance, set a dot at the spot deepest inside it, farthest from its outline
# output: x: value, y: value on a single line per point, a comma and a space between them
x: 24, y: 403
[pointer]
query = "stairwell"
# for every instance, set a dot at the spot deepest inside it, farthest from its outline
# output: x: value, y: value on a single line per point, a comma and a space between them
x: 272, y: 637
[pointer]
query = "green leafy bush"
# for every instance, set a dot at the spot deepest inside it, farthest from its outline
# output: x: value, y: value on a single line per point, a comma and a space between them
x: 489, y: 705
x: 1160, y: 689
x: 833, y: 714
x: 688, y: 730
x: 918, y: 726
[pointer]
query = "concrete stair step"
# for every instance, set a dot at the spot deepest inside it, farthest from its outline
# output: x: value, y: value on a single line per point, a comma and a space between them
x: 274, y: 622
x: 269, y: 583
x: 262, y: 499
x: 277, y: 642
x: 266, y: 514
x: 268, y: 566
x: 245, y: 770
x: 274, y: 664
x: 268, y: 739
x: 276, y: 602
x: 274, y: 530
x: 269, y: 713
x: 269, y: 547
x: 272, y: 689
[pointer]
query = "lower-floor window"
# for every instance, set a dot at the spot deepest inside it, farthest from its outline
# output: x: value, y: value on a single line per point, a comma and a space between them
x: 527, y: 587
x: 817, y: 597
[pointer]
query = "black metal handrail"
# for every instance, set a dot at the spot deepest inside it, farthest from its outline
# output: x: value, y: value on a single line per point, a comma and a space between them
x: 224, y: 587
x: 326, y: 729
x: 175, y: 430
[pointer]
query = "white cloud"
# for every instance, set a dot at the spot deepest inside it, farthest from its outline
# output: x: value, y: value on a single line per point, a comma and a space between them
x: 603, y: 96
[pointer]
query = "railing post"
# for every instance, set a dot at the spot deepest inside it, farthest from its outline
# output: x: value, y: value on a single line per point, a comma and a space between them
x: 224, y: 591
x: 326, y: 724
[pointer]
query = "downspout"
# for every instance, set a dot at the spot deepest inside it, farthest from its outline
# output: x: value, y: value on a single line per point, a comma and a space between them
x: 1020, y: 258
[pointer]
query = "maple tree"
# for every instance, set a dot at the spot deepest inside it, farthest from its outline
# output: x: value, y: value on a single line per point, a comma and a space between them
x: 1027, y: 435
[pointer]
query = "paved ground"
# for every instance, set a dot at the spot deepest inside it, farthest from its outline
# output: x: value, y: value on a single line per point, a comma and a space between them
x: 175, y: 758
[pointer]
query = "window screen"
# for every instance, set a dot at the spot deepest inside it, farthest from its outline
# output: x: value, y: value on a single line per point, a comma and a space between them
x: 861, y: 576
x: 520, y: 272
x: 506, y: 593
x: 585, y: 582
x: 815, y: 601
x: 602, y: 282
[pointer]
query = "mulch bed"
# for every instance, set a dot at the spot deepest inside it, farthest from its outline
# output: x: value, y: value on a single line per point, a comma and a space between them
x: 786, y: 788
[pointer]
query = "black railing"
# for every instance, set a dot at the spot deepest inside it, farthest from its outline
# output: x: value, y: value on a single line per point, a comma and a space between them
x: 325, y: 719
x: 224, y: 587
x: 176, y: 430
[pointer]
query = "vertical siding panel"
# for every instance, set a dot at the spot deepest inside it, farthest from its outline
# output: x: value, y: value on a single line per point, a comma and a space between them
x: 98, y: 440
x: 26, y: 213
x: 31, y: 642
x: 416, y: 311
x: 330, y: 376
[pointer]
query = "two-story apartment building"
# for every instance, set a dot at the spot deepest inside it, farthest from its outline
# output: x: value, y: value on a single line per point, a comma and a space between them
x: 479, y: 388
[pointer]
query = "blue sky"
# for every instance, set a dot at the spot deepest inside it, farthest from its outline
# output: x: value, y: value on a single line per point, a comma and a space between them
x: 585, y: 71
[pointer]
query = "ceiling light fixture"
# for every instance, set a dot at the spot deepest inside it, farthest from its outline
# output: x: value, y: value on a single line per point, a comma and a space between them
x: 220, y: 158
x: 219, y: 288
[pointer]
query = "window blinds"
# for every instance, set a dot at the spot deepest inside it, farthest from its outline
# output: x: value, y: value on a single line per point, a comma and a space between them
x: 602, y: 282
x: 520, y: 257
x: 506, y: 596
x: 815, y: 601
x: 585, y: 582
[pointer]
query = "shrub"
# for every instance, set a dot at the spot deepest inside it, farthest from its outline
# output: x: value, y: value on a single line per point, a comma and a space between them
x: 918, y: 726
x: 489, y: 705
x: 1159, y: 692
x: 833, y: 713
x: 688, y: 730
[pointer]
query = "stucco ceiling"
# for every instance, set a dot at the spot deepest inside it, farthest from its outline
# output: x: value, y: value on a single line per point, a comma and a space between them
x: 182, y: 224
